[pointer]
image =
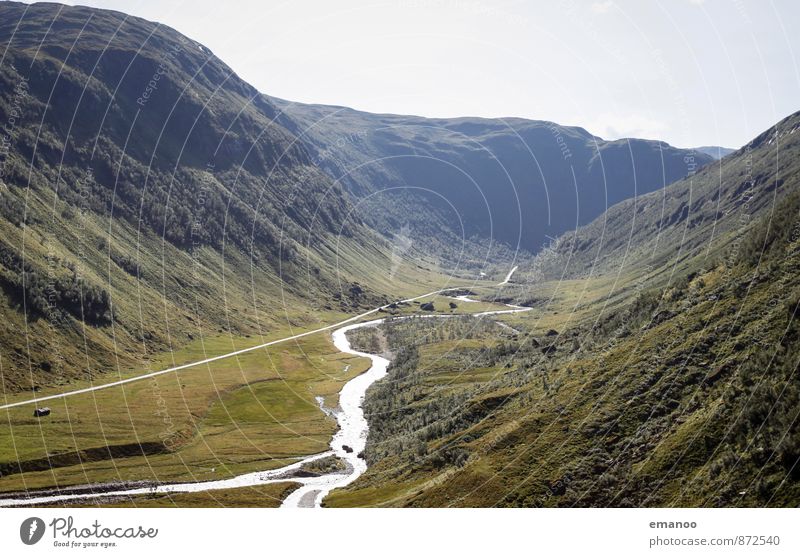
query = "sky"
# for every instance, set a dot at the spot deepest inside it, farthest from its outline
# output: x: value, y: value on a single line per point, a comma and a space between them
x: 689, y: 72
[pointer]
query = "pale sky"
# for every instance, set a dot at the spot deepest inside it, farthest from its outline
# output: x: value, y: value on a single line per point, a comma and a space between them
x: 690, y: 72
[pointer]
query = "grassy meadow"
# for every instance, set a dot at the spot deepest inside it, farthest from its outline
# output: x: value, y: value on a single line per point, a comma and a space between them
x: 254, y: 411
x: 250, y: 412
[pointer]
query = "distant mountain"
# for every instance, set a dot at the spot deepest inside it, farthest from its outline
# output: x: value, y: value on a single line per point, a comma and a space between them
x: 513, y: 180
x: 688, y: 217
x: 714, y: 151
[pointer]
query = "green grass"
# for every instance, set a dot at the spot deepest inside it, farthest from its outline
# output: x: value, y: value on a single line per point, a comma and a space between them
x: 255, y: 411
x: 627, y: 416
x: 261, y: 496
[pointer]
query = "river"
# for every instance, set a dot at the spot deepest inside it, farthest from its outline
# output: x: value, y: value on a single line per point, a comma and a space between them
x: 347, y: 444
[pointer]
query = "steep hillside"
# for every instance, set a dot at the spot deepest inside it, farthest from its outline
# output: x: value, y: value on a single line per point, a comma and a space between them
x: 149, y: 196
x: 516, y: 181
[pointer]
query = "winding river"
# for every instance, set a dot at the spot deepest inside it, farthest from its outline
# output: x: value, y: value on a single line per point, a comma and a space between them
x: 347, y: 444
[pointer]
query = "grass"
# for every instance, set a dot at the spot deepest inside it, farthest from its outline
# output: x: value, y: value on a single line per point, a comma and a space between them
x: 262, y: 496
x: 255, y: 411
x: 251, y: 412
x: 627, y: 416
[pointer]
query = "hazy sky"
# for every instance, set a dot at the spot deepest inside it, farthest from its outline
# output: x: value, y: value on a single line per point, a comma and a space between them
x: 691, y: 72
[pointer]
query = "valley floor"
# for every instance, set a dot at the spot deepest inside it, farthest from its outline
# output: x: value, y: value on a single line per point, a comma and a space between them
x: 263, y: 408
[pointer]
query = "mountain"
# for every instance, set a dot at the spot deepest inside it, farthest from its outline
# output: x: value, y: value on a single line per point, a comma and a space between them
x: 515, y: 181
x: 149, y: 196
x: 146, y: 186
x: 714, y: 151
x: 155, y: 210
x: 657, y: 366
x: 694, y: 217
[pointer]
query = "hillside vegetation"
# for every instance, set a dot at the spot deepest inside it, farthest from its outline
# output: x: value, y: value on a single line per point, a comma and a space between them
x: 148, y: 197
x: 157, y: 210
x: 677, y: 386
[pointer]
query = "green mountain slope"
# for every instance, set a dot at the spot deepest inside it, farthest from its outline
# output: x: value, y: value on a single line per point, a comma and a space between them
x: 664, y: 375
x: 149, y: 197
